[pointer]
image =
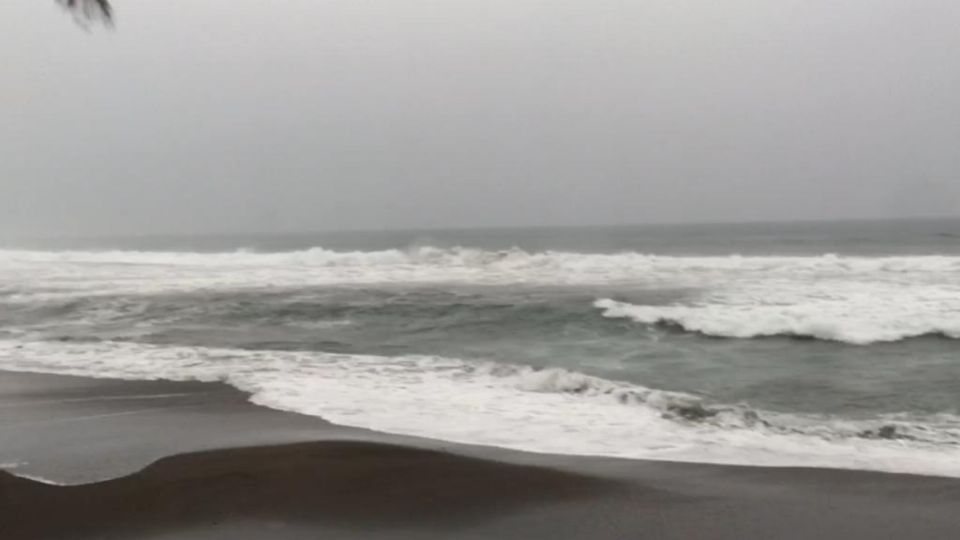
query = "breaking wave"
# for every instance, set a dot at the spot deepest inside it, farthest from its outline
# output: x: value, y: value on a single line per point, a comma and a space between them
x: 194, y: 306
x: 545, y: 410
x: 857, y: 300
x: 510, y: 258
x: 873, y: 320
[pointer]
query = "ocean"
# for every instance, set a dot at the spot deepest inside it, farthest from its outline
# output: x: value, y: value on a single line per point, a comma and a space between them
x: 804, y: 344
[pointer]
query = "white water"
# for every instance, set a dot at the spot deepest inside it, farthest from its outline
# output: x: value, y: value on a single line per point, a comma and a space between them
x: 856, y: 317
x: 509, y: 406
x: 851, y: 299
x: 859, y: 300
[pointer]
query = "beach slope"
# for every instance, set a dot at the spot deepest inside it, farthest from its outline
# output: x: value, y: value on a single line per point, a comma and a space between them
x: 97, y: 458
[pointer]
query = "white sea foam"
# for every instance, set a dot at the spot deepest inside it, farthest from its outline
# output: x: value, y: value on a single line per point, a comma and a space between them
x: 512, y: 406
x: 854, y: 309
x: 859, y: 300
x: 873, y: 321
x: 40, y: 479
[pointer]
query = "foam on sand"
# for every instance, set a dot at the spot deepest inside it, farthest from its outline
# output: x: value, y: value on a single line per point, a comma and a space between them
x: 543, y: 410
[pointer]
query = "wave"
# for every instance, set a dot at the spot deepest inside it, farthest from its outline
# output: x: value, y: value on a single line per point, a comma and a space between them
x: 508, y: 258
x: 520, y: 407
x: 91, y: 271
x: 855, y: 323
x: 857, y: 300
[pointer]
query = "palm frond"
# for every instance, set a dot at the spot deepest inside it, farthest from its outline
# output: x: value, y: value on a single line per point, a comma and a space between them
x: 89, y: 12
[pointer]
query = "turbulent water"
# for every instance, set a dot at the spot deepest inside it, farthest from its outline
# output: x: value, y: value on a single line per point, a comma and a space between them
x: 808, y: 344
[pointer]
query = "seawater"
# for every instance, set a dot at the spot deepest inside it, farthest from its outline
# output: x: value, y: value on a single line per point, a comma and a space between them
x: 824, y: 344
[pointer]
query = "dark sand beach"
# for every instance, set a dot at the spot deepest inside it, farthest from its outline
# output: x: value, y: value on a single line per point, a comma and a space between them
x: 196, y: 460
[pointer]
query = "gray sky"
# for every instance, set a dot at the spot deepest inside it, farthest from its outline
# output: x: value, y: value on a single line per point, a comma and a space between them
x: 246, y: 115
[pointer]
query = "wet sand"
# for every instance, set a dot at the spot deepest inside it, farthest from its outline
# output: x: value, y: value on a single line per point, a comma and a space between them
x: 196, y: 460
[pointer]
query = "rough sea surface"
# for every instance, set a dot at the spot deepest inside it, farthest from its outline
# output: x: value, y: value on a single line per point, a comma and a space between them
x: 831, y: 344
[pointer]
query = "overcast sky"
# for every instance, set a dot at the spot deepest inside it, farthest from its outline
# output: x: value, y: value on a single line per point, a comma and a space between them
x: 249, y: 115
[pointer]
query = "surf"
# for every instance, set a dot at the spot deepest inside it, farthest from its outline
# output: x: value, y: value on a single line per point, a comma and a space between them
x: 526, y: 408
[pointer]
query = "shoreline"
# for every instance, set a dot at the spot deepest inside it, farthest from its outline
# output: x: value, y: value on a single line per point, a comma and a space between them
x: 197, y: 460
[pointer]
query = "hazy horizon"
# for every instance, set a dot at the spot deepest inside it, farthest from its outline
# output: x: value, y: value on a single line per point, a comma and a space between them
x: 106, y: 235
x: 208, y: 118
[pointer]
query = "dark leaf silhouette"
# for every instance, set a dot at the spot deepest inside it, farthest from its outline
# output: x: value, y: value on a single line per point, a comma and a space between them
x: 88, y: 12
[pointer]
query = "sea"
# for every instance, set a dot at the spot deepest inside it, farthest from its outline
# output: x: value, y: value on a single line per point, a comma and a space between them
x: 773, y: 344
